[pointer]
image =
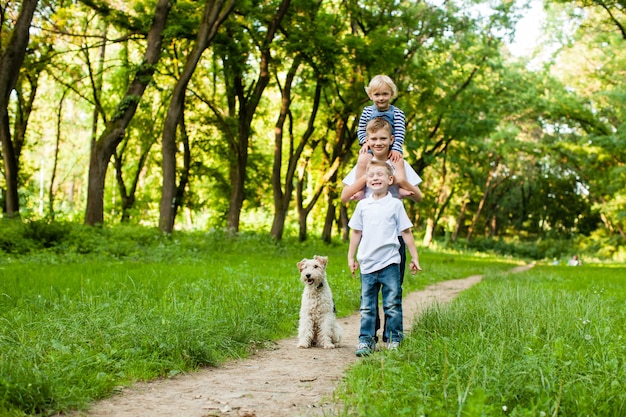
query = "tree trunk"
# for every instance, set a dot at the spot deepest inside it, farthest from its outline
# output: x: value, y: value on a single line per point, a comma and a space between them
x: 184, y: 175
x: 429, y: 232
x: 171, y: 196
x: 331, y: 213
x: 247, y: 108
x: 114, y: 132
x: 343, y: 140
x: 460, y: 218
x: 11, y: 61
x: 343, y: 218
x: 283, y: 199
x: 55, y: 161
x: 481, y: 204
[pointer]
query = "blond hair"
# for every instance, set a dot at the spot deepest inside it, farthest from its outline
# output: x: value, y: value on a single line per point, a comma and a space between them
x: 376, y: 163
x: 378, y: 123
x: 379, y: 82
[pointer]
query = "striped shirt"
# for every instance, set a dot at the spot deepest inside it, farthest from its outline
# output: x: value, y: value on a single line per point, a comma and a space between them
x: 394, y: 115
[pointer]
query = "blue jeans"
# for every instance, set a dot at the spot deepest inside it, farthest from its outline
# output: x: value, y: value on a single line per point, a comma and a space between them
x: 386, y: 281
x: 402, y: 251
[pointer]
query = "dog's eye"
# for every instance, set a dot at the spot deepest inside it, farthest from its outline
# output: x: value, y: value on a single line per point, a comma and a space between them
x: 316, y: 266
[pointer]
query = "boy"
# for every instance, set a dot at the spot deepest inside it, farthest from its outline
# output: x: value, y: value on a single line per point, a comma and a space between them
x: 375, y: 224
x: 381, y: 90
x: 380, y: 140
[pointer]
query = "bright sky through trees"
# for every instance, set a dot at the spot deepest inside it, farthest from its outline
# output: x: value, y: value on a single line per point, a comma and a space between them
x: 528, y: 30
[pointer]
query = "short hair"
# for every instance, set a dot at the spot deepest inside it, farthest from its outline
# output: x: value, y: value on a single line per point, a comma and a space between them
x: 378, y: 82
x: 378, y: 123
x: 376, y: 163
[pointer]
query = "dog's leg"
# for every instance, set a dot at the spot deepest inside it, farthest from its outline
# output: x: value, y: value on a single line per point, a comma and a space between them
x: 305, y: 331
x: 327, y: 337
x: 336, y: 334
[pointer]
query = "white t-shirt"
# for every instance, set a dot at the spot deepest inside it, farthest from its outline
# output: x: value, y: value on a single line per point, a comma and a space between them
x: 381, y: 221
x: 411, y: 177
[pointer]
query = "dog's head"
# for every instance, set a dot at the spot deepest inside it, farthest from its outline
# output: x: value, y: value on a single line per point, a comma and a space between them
x: 313, y: 271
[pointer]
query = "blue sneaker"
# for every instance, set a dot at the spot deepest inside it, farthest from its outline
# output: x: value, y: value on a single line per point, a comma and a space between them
x: 364, y: 349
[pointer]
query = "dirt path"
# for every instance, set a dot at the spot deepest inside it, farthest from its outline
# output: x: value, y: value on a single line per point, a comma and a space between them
x: 282, y: 382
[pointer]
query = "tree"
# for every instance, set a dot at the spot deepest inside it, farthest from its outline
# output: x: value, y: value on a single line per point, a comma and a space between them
x: 215, y: 12
x: 11, y: 61
x: 241, y: 44
x: 114, y: 130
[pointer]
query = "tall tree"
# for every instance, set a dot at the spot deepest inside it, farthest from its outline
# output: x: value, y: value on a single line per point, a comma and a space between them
x: 245, y: 52
x: 104, y: 148
x: 215, y: 12
x: 11, y: 60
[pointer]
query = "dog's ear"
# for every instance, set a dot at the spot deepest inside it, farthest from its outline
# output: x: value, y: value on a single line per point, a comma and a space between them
x: 321, y: 259
x: 301, y: 264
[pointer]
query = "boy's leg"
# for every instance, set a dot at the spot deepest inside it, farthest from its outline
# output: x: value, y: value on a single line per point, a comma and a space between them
x: 370, y: 286
x: 402, y: 251
x: 399, y: 174
x: 361, y: 167
x: 392, y: 302
x: 402, y: 265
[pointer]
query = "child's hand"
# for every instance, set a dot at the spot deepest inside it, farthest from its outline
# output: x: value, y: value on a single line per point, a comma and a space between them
x: 415, y: 267
x: 402, y: 193
x: 354, y: 265
x: 364, y: 148
x: 360, y: 195
x: 395, y: 156
x: 399, y: 174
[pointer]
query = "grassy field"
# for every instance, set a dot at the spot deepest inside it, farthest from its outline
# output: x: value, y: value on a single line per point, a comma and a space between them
x: 137, y: 306
x: 547, y: 342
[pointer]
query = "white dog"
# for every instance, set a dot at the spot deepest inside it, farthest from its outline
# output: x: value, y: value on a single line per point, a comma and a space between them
x: 318, y: 324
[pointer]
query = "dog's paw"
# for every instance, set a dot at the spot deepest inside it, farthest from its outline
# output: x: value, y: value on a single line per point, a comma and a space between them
x: 303, y: 345
x: 330, y: 346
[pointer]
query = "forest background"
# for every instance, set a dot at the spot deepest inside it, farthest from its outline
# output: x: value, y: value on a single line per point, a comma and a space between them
x: 242, y: 114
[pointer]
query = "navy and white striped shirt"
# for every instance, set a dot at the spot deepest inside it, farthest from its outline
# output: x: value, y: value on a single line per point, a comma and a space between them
x: 394, y: 115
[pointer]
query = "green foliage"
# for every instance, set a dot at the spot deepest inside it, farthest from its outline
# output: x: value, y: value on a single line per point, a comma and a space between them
x: 545, y: 342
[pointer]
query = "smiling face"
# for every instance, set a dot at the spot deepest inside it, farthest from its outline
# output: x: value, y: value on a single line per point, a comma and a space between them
x: 379, y: 177
x: 381, y: 97
x: 380, y: 141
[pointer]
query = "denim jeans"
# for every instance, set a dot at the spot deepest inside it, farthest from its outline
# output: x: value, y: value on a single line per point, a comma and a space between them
x: 386, y: 281
x: 402, y: 251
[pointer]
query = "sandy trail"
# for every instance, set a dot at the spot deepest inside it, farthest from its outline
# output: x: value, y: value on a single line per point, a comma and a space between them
x: 285, y: 381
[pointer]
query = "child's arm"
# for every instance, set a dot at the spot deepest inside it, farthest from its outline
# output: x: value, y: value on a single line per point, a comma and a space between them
x: 399, y: 127
x: 355, y: 238
x: 411, y: 191
x: 361, y: 133
x: 407, y: 235
x: 407, y: 190
x: 349, y: 190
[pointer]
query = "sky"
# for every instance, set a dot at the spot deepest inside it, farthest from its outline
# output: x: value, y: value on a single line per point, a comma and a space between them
x: 528, y: 30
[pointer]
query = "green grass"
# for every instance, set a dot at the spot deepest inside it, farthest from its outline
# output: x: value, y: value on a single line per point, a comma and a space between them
x: 548, y: 342
x: 87, y: 314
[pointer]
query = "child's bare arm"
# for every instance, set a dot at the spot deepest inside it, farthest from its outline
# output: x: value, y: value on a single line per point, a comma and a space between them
x: 350, y: 190
x: 355, y: 238
x: 407, y: 235
x: 407, y: 190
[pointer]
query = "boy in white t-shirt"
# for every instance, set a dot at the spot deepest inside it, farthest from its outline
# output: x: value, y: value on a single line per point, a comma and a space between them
x: 380, y: 140
x: 376, y: 223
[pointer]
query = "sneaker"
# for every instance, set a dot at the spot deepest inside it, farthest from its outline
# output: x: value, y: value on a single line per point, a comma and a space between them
x: 363, y: 349
x: 393, y: 345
